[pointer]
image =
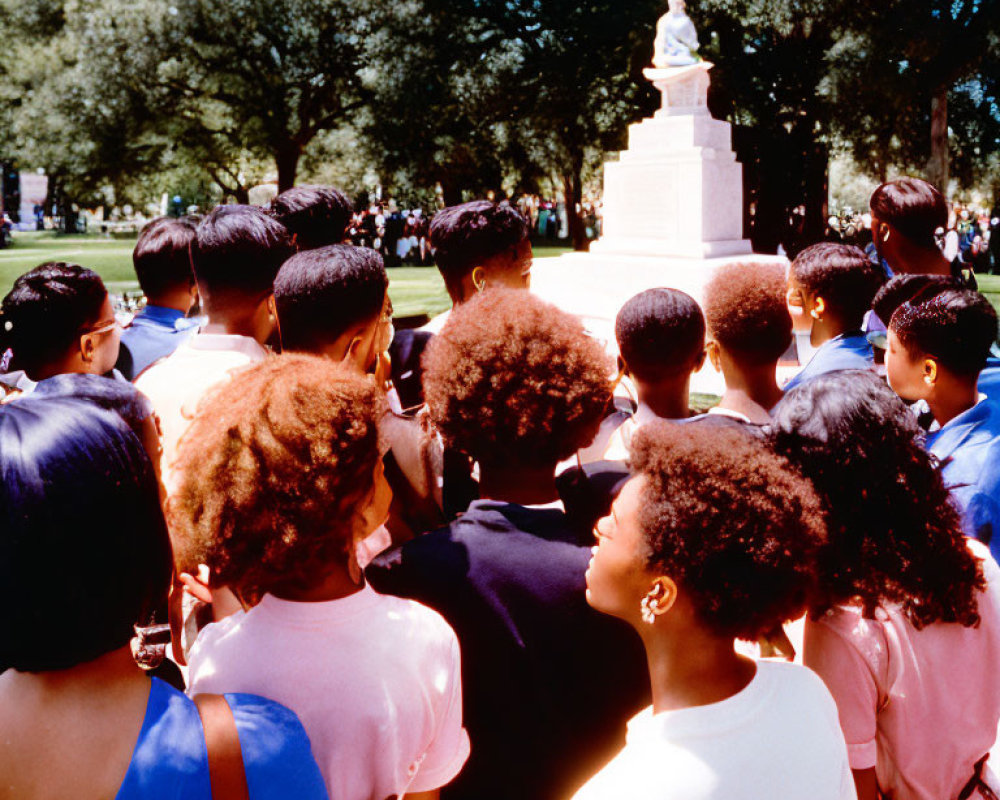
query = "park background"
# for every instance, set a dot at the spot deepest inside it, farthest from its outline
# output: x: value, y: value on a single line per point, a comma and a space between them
x: 418, y: 103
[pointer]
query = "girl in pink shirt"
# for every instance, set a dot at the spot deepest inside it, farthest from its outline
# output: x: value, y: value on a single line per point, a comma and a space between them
x: 905, y: 628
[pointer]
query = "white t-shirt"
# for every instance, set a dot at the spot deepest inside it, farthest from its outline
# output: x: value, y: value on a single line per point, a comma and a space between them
x: 778, y: 738
x: 178, y: 384
x: 375, y: 680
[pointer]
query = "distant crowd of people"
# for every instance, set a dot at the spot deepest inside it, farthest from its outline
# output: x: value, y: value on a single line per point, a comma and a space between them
x: 261, y: 544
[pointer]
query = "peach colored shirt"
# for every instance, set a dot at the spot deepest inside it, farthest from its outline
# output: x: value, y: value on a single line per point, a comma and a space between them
x: 920, y: 706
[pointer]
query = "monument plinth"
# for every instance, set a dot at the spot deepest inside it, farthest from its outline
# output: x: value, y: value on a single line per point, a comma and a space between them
x: 673, y: 201
x: 678, y: 189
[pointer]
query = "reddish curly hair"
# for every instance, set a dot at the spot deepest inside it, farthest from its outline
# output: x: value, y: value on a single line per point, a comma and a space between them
x: 746, y: 311
x: 731, y: 522
x: 513, y: 380
x: 273, y: 471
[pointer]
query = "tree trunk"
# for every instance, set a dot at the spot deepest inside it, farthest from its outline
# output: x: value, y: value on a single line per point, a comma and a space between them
x: 573, y: 192
x: 287, y: 159
x: 937, y: 166
x: 242, y: 195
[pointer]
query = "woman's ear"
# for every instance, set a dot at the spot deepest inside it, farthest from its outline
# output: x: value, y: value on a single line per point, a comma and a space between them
x: 659, y: 599
x: 818, y: 309
x: 87, y: 348
x: 930, y: 371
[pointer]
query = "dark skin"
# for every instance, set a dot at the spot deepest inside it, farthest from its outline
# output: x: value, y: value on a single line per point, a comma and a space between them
x: 510, y: 269
x: 751, y: 389
x: 904, y: 256
x: 179, y: 298
x: 668, y: 396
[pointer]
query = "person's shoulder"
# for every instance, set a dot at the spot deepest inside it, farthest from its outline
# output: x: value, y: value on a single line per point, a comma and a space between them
x: 424, y: 627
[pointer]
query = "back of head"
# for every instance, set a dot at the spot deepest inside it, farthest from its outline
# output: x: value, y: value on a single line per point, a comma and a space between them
x: 909, y: 288
x: 746, y: 311
x: 322, y: 294
x: 842, y: 275
x: 317, y: 216
x: 237, y: 254
x: 894, y: 534
x: 463, y: 237
x: 660, y: 333
x: 730, y: 522
x: 84, y: 551
x: 47, y: 310
x: 913, y: 207
x: 162, y: 256
x: 274, y: 471
x: 514, y: 381
x: 957, y: 327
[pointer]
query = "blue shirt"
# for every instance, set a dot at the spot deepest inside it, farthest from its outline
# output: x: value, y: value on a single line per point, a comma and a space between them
x: 847, y: 351
x: 170, y: 760
x: 154, y: 333
x: 969, y: 448
x: 989, y: 380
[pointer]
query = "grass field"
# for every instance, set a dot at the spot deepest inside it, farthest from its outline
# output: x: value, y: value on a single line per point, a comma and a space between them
x: 414, y: 290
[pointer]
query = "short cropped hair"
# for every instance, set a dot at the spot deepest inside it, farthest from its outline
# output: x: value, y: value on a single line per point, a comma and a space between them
x: 273, y: 472
x: 660, y: 332
x: 316, y: 216
x: 320, y: 294
x: 747, y: 313
x: 238, y: 252
x: 512, y: 380
x: 162, y: 256
x: 47, y: 310
x: 958, y: 327
x: 731, y: 522
x: 84, y: 550
x: 842, y: 275
x: 465, y: 236
x: 913, y: 207
x: 907, y: 288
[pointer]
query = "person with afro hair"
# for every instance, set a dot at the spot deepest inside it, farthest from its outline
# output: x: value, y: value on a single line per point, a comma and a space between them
x: 749, y: 329
x: 830, y: 289
x: 905, y: 621
x: 517, y: 385
x: 937, y: 347
x: 715, y: 539
x: 282, y: 479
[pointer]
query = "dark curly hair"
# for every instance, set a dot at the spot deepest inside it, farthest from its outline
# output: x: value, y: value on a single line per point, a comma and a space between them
x: 731, y: 522
x: 747, y: 313
x: 957, y: 326
x: 895, y: 536
x: 272, y: 472
x: 842, y: 275
x: 513, y: 380
x: 908, y: 288
x: 46, y: 310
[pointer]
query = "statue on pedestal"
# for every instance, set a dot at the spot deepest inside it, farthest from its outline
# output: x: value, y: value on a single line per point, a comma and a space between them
x: 676, y: 39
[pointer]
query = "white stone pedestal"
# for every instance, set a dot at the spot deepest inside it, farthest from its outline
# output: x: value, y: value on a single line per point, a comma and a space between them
x: 673, y: 213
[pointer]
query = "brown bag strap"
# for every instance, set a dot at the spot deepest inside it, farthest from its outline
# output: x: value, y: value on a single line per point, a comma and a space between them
x: 225, y: 759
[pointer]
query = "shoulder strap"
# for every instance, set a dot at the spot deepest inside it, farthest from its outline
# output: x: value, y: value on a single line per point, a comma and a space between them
x: 225, y: 759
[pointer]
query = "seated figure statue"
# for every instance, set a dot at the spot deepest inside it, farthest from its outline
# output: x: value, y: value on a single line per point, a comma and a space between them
x: 676, y: 38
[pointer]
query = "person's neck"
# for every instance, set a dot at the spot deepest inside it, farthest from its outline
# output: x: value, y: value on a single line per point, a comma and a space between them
x: 521, y: 485
x: 669, y: 398
x: 337, y: 585
x: 828, y: 328
x: 952, y: 397
x: 913, y: 260
x: 181, y: 303
x: 751, y: 390
x: 694, y: 670
x: 220, y: 324
x: 115, y: 669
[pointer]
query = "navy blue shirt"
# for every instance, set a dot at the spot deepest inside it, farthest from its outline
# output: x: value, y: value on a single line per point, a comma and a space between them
x: 154, y: 333
x: 548, y: 682
x: 847, y: 351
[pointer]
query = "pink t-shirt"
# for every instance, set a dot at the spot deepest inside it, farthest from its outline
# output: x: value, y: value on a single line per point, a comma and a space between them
x: 921, y: 706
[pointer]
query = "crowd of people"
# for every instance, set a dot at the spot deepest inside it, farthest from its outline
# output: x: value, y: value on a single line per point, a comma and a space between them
x: 259, y: 544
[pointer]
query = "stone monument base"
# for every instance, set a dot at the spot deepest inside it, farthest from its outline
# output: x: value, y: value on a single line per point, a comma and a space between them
x: 595, y: 286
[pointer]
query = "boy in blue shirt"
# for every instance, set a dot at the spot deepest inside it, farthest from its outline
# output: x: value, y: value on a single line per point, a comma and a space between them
x: 936, y: 349
x: 834, y: 284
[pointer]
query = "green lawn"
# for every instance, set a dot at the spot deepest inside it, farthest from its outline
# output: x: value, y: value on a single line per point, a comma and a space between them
x: 414, y: 290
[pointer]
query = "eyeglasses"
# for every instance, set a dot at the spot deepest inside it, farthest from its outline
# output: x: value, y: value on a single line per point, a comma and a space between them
x: 386, y: 317
x: 104, y: 327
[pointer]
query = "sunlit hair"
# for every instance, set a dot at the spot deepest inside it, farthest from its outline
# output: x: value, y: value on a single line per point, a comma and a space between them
x: 908, y: 288
x: 895, y: 535
x: 913, y: 207
x: 660, y: 332
x: 465, y: 236
x: 746, y: 311
x: 842, y: 275
x: 274, y: 471
x: 957, y: 327
x: 512, y: 380
x: 733, y: 524
x: 162, y: 256
x: 317, y: 216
